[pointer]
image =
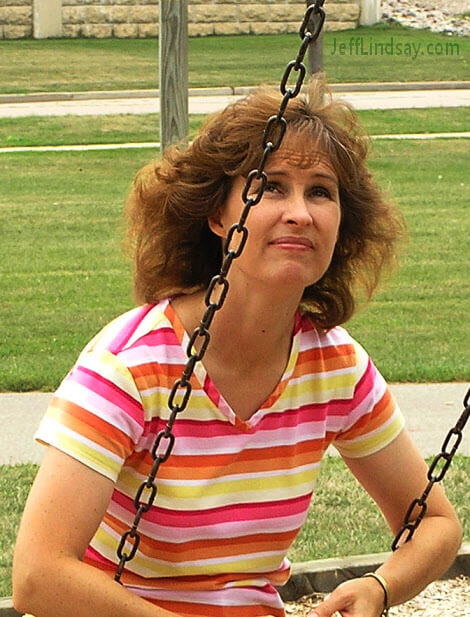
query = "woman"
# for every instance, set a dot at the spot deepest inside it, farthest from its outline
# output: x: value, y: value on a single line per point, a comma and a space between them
x: 280, y: 382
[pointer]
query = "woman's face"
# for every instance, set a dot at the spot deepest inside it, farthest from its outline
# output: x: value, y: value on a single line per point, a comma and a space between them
x: 293, y: 229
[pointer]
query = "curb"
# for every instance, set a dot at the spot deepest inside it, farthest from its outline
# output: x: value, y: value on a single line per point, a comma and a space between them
x: 227, y: 91
x: 322, y: 575
x: 325, y: 574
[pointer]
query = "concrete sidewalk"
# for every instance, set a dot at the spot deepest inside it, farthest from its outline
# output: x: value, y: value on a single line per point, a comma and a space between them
x: 207, y: 100
x: 430, y: 410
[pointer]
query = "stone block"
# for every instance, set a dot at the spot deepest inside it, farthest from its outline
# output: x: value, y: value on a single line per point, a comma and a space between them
x: 231, y: 28
x: 210, y: 13
x: 264, y: 27
x: 17, y: 32
x: 70, y: 31
x: 119, y: 14
x: 200, y: 29
x: 98, y: 15
x: 74, y: 15
x: 259, y: 12
x: 96, y: 31
x: 16, y: 15
x: 16, y: 3
x: 147, y: 31
x: 80, y: 2
x: 343, y: 12
x: 125, y: 31
x: 143, y: 14
x: 332, y: 26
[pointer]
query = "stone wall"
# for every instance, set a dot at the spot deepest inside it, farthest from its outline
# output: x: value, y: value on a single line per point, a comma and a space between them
x: 139, y: 18
x: 16, y: 19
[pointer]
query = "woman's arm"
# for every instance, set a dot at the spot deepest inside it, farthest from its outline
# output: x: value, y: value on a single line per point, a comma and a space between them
x: 394, y: 477
x: 64, y: 508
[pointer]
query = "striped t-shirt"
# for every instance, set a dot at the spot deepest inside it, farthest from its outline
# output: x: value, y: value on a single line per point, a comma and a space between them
x: 233, y: 495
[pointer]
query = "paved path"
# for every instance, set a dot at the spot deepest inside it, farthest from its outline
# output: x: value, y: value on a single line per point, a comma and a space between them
x: 431, y: 410
x: 215, y: 99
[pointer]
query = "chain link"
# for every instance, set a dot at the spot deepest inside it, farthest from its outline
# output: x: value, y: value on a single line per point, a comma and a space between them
x: 436, y: 472
x: 218, y: 287
x: 441, y: 463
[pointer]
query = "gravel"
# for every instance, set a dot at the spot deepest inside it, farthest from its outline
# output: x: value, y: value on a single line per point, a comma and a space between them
x: 451, y: 17
x: 446, y: 598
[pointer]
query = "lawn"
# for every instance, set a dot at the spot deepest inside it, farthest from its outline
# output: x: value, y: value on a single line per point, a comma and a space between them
x: 374, y: 53
x: 120, y: 128
x: 64, y: 275
x: 338, y: 498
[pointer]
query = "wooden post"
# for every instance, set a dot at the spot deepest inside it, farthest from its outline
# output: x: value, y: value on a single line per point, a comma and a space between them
x: 173, y: 71
x: 315, y: 51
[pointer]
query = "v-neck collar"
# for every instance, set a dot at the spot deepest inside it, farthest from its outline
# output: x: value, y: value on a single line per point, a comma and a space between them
x: 211, y: 391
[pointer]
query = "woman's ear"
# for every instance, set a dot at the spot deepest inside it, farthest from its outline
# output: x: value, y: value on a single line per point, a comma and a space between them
x: 214, y: 221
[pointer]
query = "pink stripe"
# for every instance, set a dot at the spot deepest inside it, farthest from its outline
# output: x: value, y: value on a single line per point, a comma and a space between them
x: 93, y: 555
x: 163, y: 336
x: 289, y: 418
x: 109, y: 391
x: 125, y: 333
x: 211, y: 391
x: 365, y: 385
x: 202, y: 518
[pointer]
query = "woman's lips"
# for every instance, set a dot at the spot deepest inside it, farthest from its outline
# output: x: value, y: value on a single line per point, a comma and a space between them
x: 296, y: 242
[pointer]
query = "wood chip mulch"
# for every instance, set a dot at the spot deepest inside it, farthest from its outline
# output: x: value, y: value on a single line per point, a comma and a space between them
x: 447, y: 598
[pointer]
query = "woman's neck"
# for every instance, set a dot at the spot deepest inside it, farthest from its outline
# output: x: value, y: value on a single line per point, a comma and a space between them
x: 247, y: 330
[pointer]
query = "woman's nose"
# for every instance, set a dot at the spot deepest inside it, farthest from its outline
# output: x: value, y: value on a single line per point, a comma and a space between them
x: 296, y: 211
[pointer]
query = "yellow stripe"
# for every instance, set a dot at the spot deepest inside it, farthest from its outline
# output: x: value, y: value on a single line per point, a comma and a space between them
x: 372, y: 443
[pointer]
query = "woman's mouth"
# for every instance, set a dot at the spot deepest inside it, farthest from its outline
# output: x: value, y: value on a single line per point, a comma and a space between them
x: 300, y: 243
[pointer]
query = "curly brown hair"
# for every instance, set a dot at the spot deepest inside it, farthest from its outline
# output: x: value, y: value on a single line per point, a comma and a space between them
x: 174, y: 250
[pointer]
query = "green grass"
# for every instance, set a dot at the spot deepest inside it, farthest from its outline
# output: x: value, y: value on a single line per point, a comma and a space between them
x: 63, y: 274
x: 409, y: 326
x: 113, y: 64
x: 119, y: 128
x: 339, y: 499
x: 15, y: 483
x: 343, y: 519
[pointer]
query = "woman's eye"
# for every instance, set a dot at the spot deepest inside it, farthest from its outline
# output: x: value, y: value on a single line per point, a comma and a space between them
x: 321, y: 191
x: 271, y: 187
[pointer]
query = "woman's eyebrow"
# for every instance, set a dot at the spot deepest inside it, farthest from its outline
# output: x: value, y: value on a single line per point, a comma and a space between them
x: 315, y: 174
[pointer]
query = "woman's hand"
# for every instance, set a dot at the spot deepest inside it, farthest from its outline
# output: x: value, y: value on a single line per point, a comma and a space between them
x: 359, y: 597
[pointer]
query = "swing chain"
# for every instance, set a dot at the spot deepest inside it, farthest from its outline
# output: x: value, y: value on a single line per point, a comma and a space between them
x: 418, y: 506
x: 436, y: 472
x: 218, y: 287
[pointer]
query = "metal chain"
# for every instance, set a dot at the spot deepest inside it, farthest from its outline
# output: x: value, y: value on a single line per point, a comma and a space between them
x: 215, y: 296
x: 436, y: 472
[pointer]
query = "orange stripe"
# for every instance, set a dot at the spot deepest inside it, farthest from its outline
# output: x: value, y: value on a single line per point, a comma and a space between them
x: 183, y: 468
x: 207, y: 549
x: 331, y: 358
x: 93, y: 428
x: 378, y: 416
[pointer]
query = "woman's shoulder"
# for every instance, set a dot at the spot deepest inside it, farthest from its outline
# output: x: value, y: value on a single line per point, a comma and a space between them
x: 333, y: 336
x: 336, y: 345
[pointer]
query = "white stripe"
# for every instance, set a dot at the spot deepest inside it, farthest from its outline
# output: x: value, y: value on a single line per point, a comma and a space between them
x: 80, y: 148
x: 230, y: 596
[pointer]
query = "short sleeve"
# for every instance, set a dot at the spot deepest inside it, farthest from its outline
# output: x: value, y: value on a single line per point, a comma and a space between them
x: 96, y: 415
x: 374, y: 419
